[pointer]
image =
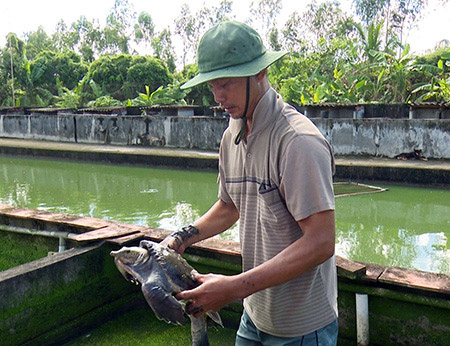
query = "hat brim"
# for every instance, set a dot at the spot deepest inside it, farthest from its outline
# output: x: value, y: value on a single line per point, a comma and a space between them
x: 243, y: 70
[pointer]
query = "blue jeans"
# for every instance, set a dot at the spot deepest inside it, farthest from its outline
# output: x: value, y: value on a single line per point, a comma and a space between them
x: 249, y: 335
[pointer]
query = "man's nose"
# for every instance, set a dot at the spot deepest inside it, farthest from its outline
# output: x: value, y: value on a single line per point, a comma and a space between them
x: 219, y: 96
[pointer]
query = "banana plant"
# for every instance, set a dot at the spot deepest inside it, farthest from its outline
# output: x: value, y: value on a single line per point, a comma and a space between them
x: 438, y: 87
x: 172, y: 94
x: 67, y: 98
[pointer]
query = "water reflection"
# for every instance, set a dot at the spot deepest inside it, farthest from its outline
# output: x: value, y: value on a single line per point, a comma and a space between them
x: 405, y: 226
x: 143, y: 196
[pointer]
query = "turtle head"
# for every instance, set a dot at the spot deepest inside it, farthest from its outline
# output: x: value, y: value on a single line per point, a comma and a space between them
x: 127, y: 258
x: 133, y: 255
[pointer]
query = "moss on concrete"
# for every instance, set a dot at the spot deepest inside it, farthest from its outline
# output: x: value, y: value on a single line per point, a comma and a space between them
x: 17, y: 249
x: 53, y: 294
x: 140, y: 327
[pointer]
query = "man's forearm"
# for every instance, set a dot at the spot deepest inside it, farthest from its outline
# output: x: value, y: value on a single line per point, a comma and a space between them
x: 315, y: 247
x: 217, y: 219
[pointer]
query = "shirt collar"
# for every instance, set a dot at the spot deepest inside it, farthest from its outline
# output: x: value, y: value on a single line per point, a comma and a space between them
x: 267, y: 105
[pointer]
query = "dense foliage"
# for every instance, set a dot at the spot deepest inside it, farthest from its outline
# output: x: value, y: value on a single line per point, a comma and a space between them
x: 333, y: 57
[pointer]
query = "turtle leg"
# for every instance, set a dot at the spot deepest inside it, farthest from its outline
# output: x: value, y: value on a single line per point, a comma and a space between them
x: 163, y: 304
x: 198, y: 331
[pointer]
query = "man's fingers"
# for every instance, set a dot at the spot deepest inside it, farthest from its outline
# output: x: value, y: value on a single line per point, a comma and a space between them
x: 185, y: 295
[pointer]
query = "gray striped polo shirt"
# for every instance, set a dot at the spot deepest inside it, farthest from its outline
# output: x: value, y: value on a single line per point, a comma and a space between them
x: 281, y: 174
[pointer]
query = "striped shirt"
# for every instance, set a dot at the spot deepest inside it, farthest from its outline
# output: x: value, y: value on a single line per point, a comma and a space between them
x: 281, y: 174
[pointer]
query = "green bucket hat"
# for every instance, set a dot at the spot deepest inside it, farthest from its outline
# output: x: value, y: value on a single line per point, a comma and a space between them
x: 231, y: 49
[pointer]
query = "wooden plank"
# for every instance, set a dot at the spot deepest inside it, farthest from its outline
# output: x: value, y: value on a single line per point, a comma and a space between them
x: 126, y: 239
x: 416, y: 279
x: 17, y: 212
x: 59, y: 218
x: 83, y: 221
x: 111, y: 231
x: 5, y: 207
x: 228, y: 247
x: 349, y: 269
x: 154, y: 234
x: 373, y: 272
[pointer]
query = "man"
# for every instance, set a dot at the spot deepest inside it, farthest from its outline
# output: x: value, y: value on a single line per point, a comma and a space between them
x: 275, y: 176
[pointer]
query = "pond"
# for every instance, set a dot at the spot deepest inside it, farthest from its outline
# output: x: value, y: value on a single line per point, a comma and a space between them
x: 405, y: 226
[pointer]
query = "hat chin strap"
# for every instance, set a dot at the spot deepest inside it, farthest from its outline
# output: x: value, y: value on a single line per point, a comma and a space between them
x: 243, y: 130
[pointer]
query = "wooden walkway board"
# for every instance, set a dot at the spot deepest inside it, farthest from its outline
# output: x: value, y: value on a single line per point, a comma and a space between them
x: 84, y: 221
x: 416, y: 279
x: 59, y: 218
x: 154, y: 234
x: 112, y: 231
x: 349, y: 269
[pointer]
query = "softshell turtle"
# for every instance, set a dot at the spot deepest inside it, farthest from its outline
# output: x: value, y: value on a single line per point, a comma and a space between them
x: 163, y: 273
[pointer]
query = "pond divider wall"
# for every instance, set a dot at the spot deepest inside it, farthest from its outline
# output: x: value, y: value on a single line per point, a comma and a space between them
x: 383, y: 137
x: 51, y: 299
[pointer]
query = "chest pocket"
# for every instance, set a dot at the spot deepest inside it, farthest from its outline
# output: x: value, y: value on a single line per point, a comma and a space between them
x: 272, y: 208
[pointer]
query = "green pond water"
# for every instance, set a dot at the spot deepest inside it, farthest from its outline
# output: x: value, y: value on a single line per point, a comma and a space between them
x: 405, y: 226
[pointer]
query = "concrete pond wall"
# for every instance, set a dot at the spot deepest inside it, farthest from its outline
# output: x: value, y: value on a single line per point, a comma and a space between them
x: 63, y: 295
x: 385, y: 137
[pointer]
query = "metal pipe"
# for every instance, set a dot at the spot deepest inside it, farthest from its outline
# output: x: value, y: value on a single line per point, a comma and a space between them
x: 398, y: 294
x: 62, y: 244
x: 51, y: 234
x: 362, y: 319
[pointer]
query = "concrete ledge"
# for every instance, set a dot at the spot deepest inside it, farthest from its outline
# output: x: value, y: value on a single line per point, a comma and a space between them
x: 432, y: 172
x: 110, y: 153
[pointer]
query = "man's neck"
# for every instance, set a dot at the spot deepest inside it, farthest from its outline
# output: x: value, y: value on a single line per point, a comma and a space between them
x: 251, y: 111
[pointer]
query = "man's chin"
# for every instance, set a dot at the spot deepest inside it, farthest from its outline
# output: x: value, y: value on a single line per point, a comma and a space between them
x: 235, y: 114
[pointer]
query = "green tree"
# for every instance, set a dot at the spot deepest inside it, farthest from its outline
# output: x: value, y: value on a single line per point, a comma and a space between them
x: 434, y: 85
x: 191, y: 28
x: 17, y: 73
x: 398, y: 15
x: 293, y: 40
x: 264, y: 18
x: 185, y: 27
x: 198, y: 95
x: 144, y: 29
x: 163, y: 49
x: 36, y: 42
x: 123, y: 76
x: 60, y: 37
x: 171, y: 94
x: 145, y: 71
x: 118, y: 30
x: 370, y: 40
x: 84, y: 37
x: 66, y: 66
x: 12, y: 55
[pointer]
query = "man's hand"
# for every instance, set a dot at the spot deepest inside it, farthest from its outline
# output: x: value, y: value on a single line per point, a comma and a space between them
x: 217, y: 219
x: 215, y: 292
x: 172, y: 243
x: 178, y: 240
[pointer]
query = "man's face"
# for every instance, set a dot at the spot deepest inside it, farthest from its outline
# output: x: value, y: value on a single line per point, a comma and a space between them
x: 230, y: 93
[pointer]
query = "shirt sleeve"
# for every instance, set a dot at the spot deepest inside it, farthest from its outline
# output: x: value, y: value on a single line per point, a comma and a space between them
x: 306, y: 176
